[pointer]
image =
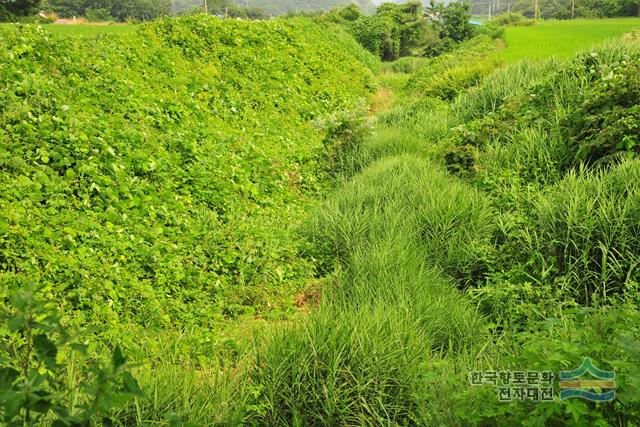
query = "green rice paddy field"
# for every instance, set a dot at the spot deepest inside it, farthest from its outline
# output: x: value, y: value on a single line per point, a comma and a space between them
x: 561, y: 38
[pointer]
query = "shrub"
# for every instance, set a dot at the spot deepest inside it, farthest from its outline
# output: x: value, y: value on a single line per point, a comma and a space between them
x: 447, y: 76
x: 512, y: 19
x: 36, y: 19
x: 32, y: 379
x: 344, y: 133
x: 99, y: 15
x: 456, y: 25
x: 434, y: 45
x: 491, y: 29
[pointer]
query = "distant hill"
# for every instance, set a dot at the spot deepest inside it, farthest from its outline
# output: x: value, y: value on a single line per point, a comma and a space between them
x: 278, y: 7
x: 377, y: 3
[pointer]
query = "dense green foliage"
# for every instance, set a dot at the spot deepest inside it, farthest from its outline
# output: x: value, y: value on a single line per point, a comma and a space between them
x: 594, y: 125
x: 154, y: 180
x: 513, y: 19
x: 110, y: 10
x: 222, y: 8
x: 32, y: 379
x: 20, y: 7
x: 397, y: 30
x: 13, y: 10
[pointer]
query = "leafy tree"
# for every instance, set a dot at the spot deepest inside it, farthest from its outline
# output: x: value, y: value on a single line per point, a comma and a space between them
x: 351, y: 13
x: 379, y: 35
x: 413, y: 26
x: 19, y: 7
x: 119, y: 10
x: 630, y: 7
x: 395, y: 30
x: 456, y: 25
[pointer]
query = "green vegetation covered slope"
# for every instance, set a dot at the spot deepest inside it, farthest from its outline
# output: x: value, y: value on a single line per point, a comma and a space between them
x: 154, y: 179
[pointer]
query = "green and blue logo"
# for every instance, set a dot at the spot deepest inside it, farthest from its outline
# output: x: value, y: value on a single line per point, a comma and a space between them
x: 572, y: 386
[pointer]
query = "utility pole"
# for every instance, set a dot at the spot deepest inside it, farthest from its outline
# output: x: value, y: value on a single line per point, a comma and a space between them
x: 490, y: 4
x: 206, y: 9
x: 573, y: 9
x: 173, y: 8
x: 536, y: 11
x: 508, y: 6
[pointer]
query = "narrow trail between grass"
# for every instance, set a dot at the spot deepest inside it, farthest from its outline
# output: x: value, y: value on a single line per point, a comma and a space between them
x: 401, y: 230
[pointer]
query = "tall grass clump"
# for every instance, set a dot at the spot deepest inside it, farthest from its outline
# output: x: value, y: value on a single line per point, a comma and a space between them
x: 588, y: 228
x: 503, y: 84
x: 586, y: 108
x: 185, y: 393
x: 356, y: 367
x: 530, y: 156
x: 566, y: 245
x: 368, y: 356
x: 411, y: 199
x: 450, y: 74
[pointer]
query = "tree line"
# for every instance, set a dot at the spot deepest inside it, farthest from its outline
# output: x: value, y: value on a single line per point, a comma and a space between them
x: 123, y: 10
x: 407, y: 29
x: 558, y: 9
